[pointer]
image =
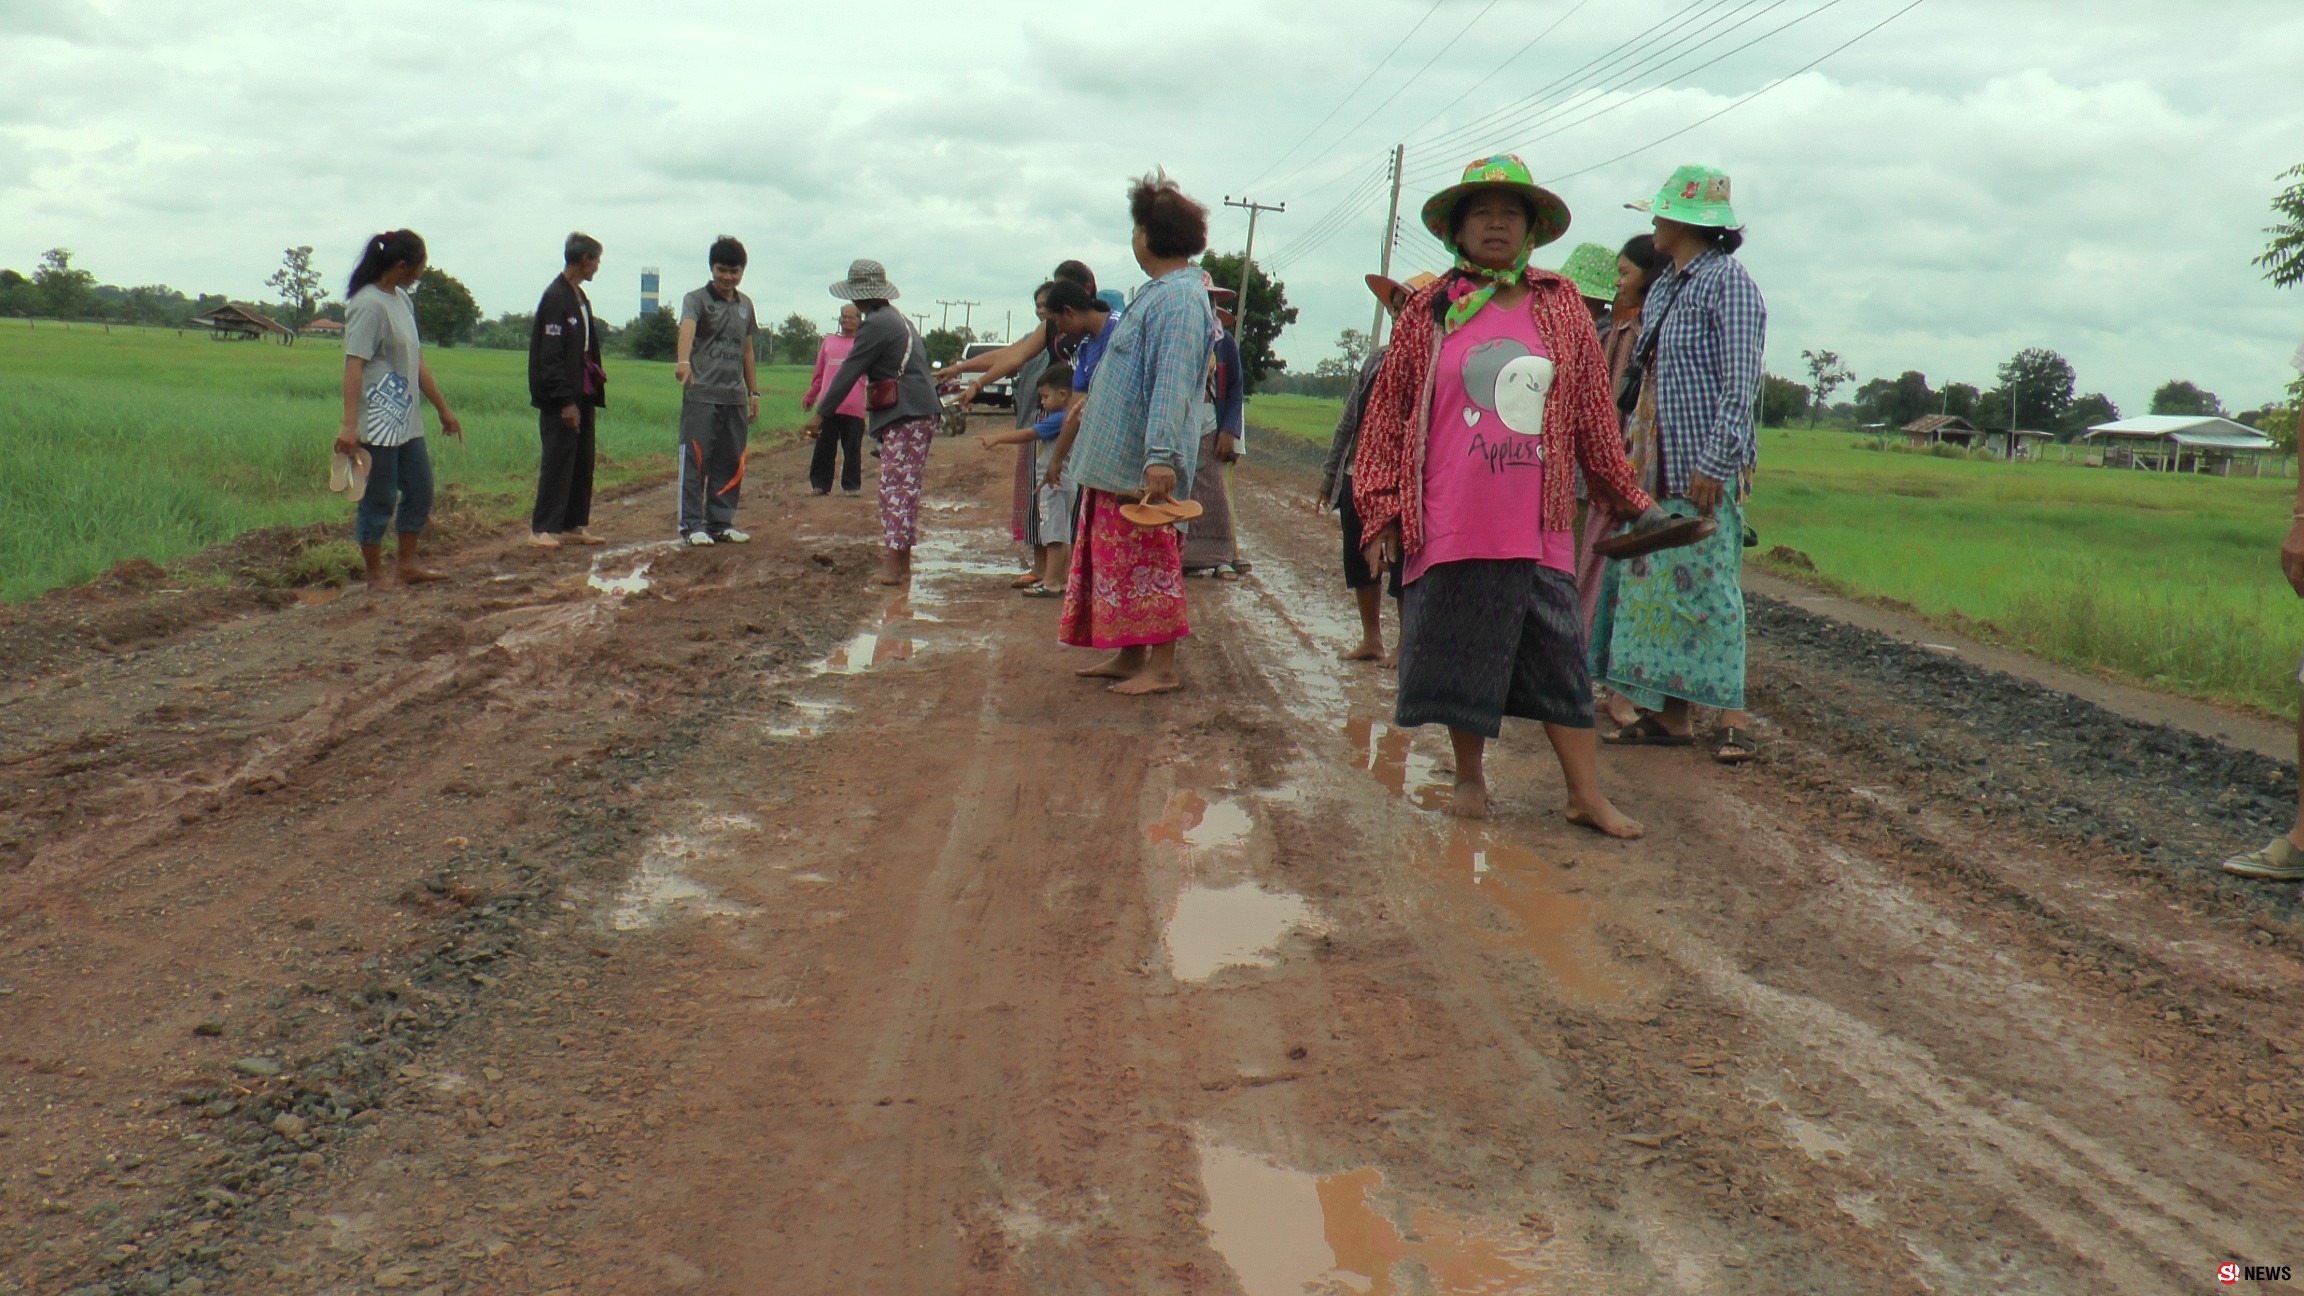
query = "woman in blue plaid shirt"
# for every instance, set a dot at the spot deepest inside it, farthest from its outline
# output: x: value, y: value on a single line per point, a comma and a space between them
x: 1670, y: 630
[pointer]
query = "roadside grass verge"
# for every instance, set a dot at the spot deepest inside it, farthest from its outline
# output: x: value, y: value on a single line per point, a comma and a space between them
x: 147, y: 443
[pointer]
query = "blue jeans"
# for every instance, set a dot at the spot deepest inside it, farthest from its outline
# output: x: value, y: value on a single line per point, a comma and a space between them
x: 399, y: 476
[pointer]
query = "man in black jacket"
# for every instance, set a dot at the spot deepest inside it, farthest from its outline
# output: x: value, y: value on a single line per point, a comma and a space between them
x: 566, y: 384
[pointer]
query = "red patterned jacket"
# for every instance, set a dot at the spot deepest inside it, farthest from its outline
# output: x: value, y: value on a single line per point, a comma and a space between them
x: 1580, y: 423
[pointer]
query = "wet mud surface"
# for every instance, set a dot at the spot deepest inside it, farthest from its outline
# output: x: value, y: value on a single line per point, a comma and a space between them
x: 651, y: 920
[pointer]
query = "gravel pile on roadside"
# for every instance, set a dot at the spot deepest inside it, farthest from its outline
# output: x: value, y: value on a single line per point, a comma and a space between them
x: 2006, y: 746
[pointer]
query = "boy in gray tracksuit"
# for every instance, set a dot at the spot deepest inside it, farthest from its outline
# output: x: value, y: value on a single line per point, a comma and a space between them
x: 719, y: 400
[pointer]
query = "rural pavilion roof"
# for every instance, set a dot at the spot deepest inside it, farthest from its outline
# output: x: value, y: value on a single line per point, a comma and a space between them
x: 2203, y: 430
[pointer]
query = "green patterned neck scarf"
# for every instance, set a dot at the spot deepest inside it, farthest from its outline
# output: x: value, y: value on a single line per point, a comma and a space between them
x: 1470, y: 291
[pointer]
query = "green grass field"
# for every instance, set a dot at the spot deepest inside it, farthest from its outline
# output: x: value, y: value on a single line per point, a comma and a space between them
x: 150, y: 444
x: 2171, y: 581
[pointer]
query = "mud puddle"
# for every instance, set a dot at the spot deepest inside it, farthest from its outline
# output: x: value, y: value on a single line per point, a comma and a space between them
x: 661, y: 889
x: 1243, y: 925
x: 1548, y: 920
x: 1390, y: 757
x: 1286, y: 1232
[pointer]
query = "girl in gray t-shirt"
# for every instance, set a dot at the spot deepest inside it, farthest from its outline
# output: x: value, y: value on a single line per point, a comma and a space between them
x: 384, y: 373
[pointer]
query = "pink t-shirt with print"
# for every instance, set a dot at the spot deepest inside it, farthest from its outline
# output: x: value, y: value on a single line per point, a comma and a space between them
x: 1484, y: 465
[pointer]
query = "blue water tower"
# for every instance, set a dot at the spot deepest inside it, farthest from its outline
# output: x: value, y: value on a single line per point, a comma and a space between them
x: 651, y: 279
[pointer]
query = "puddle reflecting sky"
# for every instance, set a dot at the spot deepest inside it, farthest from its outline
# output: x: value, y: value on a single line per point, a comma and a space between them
x: 1285, y: 1232
x: 1390, y: 756
x: 1213, y: 928
x: 1554, y: 926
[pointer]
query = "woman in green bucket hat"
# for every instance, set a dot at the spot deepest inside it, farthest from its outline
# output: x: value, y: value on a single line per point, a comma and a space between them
x: 1592, y: 268
x: 1493, y: 393
x: 1669, y: 634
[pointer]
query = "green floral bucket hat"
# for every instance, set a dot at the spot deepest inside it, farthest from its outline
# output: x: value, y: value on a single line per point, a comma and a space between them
x: 1592, y: 268
x: 1695, y: 195
x: 1500, y: 171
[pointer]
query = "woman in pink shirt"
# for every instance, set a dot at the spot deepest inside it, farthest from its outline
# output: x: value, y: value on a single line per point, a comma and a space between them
x: 842, y: 431
x: 1492, y: 395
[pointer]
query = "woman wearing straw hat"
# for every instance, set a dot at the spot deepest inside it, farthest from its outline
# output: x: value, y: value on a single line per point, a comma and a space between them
x: 1493, y: 393
x: 900, y: 406
x: 1670, y: 629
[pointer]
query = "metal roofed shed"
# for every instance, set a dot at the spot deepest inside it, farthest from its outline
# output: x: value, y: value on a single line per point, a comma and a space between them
x: 2194, y: 443
x: 1951, y: 429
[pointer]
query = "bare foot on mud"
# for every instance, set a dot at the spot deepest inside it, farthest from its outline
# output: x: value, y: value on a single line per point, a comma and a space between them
x: 1146, y: 684
x: 419, y: 576
x: 1117, y: 668
x: 1365, y: 652
x: 1392, y: 661
x: 895, y: 567
x: 1471, y: 799
x: 383, y: 580
x: 1602, y: 816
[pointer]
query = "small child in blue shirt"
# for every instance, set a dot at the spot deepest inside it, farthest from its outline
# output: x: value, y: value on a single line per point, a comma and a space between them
x: 1052, y: 505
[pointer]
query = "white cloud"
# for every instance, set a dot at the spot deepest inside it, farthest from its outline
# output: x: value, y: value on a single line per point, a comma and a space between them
x: 1972, y: 179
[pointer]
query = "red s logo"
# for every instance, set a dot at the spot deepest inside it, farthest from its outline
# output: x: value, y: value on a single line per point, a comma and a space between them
x: 2228, y: 1273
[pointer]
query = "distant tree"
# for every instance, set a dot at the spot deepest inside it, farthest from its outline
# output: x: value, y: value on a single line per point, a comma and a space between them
x: 1825, y: 372
x: 1267, y: 314
x: 654, y: 336
x: 2036, y: 383
x: 445, y: 311
x: 18, y: 295
x: 1959, y: 399
x: 2087, y: 412
x: 1351, y: 352
x: 1896, y: 401
x: 1781, y: 401
x: 945, y: 344
x: 64, y: 291
x: 299, y: 286
x: 797, y: 339
x: 2283, y: 258
x: 511, y: 331
x: 2179, y: 396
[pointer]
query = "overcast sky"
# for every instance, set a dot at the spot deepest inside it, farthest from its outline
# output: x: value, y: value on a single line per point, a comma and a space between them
x: 1977, y: 176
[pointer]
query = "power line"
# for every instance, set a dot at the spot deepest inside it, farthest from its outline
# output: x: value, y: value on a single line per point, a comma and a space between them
x: 1714, y: 116
x: 1396, y: 93
x: 1346, y: 207
x: 1609, y: 108
x: 1339, y: 221
x: 1493, y: 73
x: 1485, y: 123
x: 1349, y: 93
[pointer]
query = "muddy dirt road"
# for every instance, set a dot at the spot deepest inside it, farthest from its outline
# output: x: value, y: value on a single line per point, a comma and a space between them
x: 655, y: 920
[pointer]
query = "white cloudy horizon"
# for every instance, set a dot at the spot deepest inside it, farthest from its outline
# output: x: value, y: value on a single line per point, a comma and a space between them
x: 1971, y: 179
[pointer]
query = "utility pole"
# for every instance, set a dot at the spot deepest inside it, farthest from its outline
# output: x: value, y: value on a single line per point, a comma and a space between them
x: 922, y: 316
x: 947, y: 305
x: 1248, y: 258
x: 1391, y: 236
x: 968, y: 315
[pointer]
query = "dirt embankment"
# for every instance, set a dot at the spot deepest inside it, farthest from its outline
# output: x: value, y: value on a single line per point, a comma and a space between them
x: 756, y: 930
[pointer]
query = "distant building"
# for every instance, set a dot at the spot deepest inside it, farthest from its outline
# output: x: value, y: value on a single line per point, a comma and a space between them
x: 2194, y: 443
x: 236, y: 323
x: 1951, y: 429
x: 324, y: 328
x: 651, y: 283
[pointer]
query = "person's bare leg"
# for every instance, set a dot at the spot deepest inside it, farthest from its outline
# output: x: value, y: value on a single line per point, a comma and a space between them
x: 1579, y: 753
x: 2296, y: 834
x: 895, y: 567
x: 1471, y: 800
x: 378, y: 576
x: 1157, y: 676
x: 1059, y: 565
x: 1620, y: 710
x: 1123, y: 665
x: 1676, y: 719
x: 411, y: 571
x: 1371, y: 647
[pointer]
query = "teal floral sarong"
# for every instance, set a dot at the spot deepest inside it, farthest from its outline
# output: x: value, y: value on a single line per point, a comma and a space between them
x: 1671, y: 624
